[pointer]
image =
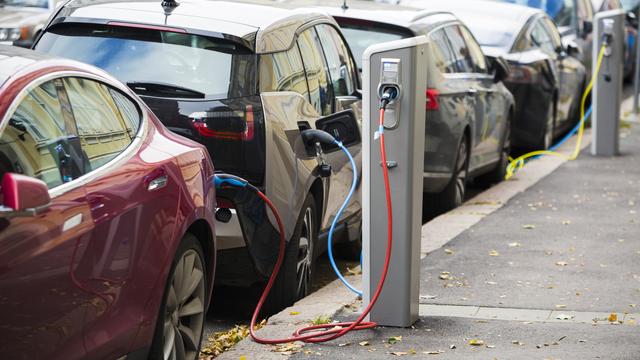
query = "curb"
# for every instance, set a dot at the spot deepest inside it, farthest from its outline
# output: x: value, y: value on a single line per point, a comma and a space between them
x: 333, y: 298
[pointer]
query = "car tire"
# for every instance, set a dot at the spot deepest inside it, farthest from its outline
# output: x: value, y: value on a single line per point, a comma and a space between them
x: 180, y: 322
x: 453, y: 194
x: 547, y: 136
x: 500, y: 171
x: 298, y: 268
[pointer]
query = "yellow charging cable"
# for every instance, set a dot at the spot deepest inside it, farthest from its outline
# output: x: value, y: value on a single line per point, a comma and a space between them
x: 518, y: 163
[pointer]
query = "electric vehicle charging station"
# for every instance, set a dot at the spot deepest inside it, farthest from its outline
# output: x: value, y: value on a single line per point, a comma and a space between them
x: 607, y: 87
x: 399, y: 65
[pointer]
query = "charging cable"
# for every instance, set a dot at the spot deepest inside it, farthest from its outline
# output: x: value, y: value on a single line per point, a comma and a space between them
x: 326, y: 332
x: 519, y: 162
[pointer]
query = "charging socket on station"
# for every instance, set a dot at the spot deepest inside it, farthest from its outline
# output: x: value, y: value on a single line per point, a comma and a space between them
x: 390, y: 74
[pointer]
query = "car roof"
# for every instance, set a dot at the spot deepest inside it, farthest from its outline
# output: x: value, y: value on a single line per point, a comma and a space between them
x: 382, y: 13
x: 13, y: 59
x: 479, y: 15
x: 258, y: 25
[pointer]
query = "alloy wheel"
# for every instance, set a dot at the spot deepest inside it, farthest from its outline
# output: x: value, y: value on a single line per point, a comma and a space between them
x: 305, y: 254
x: 461, y: 173
x: 185, y: 305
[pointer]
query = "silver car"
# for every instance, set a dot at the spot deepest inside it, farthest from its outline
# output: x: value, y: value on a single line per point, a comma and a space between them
x: 22, y: 20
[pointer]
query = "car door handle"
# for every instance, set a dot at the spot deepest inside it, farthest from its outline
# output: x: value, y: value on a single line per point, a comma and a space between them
x: 158, y: 183
x: 472, y: 91
x: 72, y: 222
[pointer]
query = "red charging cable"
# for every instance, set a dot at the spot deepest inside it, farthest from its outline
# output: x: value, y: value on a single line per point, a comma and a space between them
x: 312, y: 334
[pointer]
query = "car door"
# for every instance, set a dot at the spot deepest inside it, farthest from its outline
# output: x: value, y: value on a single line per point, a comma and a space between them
x: 495, y: 106
x: 571, y: 77
x: 451, y: 115
x: 133, y: 200
x: 342, y: 76
x: 43, y: 300
x: 474, y: 93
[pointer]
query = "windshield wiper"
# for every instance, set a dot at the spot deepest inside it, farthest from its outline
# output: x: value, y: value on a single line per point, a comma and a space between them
x: 164, y: 89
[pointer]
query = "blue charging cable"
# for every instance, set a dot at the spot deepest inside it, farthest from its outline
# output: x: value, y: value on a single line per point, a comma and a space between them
x: 354, y: 183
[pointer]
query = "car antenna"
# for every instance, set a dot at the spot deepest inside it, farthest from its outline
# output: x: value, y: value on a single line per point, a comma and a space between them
x: 168, y: 6
x: 344, y: 6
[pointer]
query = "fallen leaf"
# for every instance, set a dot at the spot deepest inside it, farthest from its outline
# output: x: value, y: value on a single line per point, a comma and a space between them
x: 561, y: 263
x: 566, y: 222
x: 517, y: 342
x: 412, y: 351
x: 433, y: 352
x: 494, y: 253
x: 582, y: 341
x: 452, y: 346
x: 399, y: 353
x: 613, y: 317
x: 243, y: 357
x: 490, y: 346
x: 476, y: 342
x: 448, y: 251
x: 561, y: 306
x: 444, y: 276
x: 344, y: 344
x: 363, y: 343
x: 490, y: 282
x: 528, y: 226
x: 394, y: 340
x: 515, y: 244
x: 294, y: 313
x: 427, y: 297
x: 356, y: 271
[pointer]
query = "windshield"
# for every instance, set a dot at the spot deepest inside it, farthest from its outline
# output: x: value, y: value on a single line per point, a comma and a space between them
x: 360, y: 39
x: 43, y: 4
x: 561, y: 11
x: 218, y: 68
x: 630, y: 5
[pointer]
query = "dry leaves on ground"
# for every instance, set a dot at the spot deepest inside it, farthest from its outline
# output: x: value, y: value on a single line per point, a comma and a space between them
x: 219, y: 342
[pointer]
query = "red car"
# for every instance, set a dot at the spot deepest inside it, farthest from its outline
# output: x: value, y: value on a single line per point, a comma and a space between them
x: 107, y: 245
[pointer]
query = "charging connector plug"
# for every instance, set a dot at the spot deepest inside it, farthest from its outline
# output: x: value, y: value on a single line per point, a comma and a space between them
x: 389, y: 94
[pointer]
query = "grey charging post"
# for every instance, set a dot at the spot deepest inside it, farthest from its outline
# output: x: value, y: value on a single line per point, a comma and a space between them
x: 607, y: 85
x: 401, y: 65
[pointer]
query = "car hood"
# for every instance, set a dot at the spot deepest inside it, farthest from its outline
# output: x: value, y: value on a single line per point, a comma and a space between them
x: 15, y: 17
x: 493, y: 51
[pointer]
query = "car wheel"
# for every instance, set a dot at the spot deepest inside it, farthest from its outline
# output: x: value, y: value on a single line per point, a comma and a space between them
x: 547, y: 136
x: 500, y: 171
x: 180, y: 322
x: 296, y: 274
x: 453, y: 194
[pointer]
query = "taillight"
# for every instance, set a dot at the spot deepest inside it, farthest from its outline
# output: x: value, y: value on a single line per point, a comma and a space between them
x: 432, y: 99
x: 225, y: 124
x: 520, y: 74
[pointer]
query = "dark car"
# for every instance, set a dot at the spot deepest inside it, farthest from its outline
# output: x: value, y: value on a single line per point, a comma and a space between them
x: 231, y: 76
x: 107, y: 245
x: 545, y: 78
x: 468, y: 108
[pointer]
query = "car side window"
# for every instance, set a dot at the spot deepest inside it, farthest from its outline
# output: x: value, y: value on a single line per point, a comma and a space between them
x: 464, y: 62
x: 129, y: 112
x: 283, y: 71
x: 552, y: 30
x: 103, y: 131
x: 562, y: 11
x: 477, y: 56
x: 320, y: 93
x: 541, y: 38
x: 39, y: 139
x: 341, y: 67
x: 585, y: 10
x: 442, y: 53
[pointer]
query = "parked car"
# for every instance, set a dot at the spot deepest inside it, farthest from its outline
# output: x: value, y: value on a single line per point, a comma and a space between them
x: 107, y: 246
x: 22, y: 20
x: 574, y: 19
x: 545, y: 78
x: 468, y: 108
x: 630, y: 30
x: 231, y: 76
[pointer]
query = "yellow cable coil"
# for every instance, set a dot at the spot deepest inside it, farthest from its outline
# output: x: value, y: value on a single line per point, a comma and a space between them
x: 518, y: 163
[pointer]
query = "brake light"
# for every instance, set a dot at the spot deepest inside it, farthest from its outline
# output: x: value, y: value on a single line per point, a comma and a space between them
x: 147, y: 27
x: 432, y: 99
x: 221, y: 124
x: 520, y: 74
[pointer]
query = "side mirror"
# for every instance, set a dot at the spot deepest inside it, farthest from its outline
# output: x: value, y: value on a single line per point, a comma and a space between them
x: 573, y: 49
x: 500, y: 68
x: 343, y: 126
x: 632, y: 19
x: 23, y: 196
x: 587, y: 28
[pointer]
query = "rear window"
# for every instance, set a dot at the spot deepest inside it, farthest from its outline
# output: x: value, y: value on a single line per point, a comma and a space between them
x: 361, y: 37
x: 562, y: 11
x: 215, y: 68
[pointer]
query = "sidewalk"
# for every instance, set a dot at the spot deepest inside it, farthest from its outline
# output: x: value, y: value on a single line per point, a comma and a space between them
x: 527, y: 280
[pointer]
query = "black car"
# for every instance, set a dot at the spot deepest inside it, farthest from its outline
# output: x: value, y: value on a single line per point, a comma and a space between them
x: 545, y: 77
